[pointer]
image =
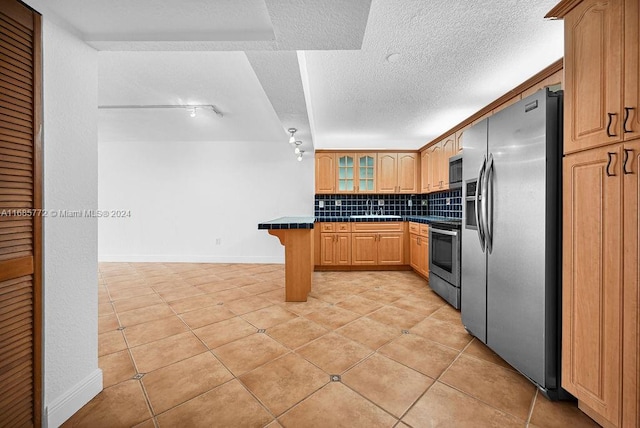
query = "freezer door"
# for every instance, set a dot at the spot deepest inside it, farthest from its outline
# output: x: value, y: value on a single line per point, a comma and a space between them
x: 516, y: 186
x: 473, y: 285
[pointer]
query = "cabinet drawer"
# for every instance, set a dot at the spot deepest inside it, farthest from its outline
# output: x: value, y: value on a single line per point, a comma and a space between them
x: 335, y: 227
x: 424, y: 230
x: 414, y: 227
x: 343, y: 227
x: 327, y: 227
x: 392, y: 226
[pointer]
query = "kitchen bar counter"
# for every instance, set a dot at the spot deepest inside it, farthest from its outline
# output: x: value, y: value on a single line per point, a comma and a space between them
x: 296, y: 235
x: 288, y: 223
x: 414, y: 218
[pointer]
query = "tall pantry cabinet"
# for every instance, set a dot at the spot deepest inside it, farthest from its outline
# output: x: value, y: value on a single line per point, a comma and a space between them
x: 600, y: 345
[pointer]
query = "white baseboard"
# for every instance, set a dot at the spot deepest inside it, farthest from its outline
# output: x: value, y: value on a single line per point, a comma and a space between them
x: 69, y: 403
x: 187, y: 259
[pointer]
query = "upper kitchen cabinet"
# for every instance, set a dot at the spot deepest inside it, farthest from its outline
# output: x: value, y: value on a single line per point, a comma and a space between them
x: 435, y: 164
x: 631, y: 107
x: 355, y: 172
x: 458, y: 147
x: 425, y: 170
x: 398, y: 173
x: 408, y: 172
x: 325, y: 173
x: 595, y: 114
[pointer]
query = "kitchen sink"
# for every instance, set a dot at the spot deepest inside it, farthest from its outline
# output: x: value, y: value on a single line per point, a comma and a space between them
x: 375, y: 216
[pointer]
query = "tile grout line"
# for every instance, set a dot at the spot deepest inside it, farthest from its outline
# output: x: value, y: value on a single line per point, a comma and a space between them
x: 471, y: 396
x: 532, y: 406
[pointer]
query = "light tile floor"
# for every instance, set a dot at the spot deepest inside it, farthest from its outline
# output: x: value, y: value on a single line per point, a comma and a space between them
x: 189, y: 345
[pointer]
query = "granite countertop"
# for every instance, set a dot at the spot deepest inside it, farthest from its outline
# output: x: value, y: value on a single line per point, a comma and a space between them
x: 308, y: 221
x: 305, y: 222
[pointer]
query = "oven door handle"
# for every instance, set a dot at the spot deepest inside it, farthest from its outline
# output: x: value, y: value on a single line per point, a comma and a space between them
x: 479, y: 204
x: 442, y: 232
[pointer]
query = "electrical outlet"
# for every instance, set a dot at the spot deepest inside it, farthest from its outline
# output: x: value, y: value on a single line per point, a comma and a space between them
x: 380, y: 202
x: 321, y: 204
x: 448, y: 201
x: 338, y: 203
x: 218, y: 241
x: 410, y: 203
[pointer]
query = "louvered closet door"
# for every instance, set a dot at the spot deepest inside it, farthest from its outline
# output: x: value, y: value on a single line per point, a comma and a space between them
x: 20, y: 225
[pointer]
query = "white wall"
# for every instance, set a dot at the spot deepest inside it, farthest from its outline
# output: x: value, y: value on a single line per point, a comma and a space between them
x: 185, y: 195
x: 71, y: 373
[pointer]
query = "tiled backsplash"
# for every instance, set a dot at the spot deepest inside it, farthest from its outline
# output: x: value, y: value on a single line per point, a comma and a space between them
x: 446, y: 204
x: 346, y: 205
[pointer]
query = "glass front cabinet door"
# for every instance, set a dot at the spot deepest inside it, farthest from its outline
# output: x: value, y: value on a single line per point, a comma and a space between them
x: 356, y: 172
x: 346, y: 173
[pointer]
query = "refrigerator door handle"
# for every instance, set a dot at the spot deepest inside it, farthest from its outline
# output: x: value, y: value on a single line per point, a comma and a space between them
x: 479, y: 204
x: 488, y: 216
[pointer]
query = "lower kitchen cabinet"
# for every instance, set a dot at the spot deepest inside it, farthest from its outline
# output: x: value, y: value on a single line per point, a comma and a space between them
x: 335, y: 249
x: 376, y: 249
x: 419, y: 254
x: 600, y: 282
x: 419, y: 248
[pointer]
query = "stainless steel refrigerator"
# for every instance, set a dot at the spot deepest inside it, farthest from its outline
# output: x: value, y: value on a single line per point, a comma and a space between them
x: 511, y: 236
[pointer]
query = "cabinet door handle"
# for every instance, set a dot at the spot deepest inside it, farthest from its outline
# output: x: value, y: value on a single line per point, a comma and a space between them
x: 627, y: 111
x: 610, y: 156
x: 626, y: 159
x: 611, y: 115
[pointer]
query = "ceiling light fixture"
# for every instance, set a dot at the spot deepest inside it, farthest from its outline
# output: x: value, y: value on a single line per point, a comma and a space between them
x: 297, y: 150
x: 191, y: 108
x: 292, y: 131
x: 300, y: 155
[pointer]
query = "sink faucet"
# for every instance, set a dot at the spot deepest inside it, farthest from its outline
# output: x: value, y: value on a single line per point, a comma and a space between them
x: 369, y: 205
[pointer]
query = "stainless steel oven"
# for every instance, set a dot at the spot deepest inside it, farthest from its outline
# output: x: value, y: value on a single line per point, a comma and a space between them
x: 444, y: 261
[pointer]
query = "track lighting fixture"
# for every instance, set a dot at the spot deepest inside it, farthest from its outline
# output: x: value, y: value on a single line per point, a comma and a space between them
x: 292, y: 131
x: 300, y: 155
x: 297, y: 149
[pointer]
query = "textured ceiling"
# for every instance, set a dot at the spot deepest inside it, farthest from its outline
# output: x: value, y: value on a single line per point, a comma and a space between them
x: 455, y: 57
x: 339, y: 88
x: 224, y: 79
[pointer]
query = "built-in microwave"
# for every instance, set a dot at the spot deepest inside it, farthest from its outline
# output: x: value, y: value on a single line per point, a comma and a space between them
x: 455, y: 172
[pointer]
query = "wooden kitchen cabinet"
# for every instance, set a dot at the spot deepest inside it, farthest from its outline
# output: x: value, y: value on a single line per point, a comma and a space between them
x: 419, y: 248
x: 408, y: 172
x: 335, y: 244
x: 592, y: 280
x: 600, y: 282
x: 379, y: 249
x: 631, y: 105
x: 594, y: 52
x: 335, y: 249
x: 425, y: 171
x: 435, y: 164
x: 325, y: 173
x: 387, y: 173
x: 398, y: 173
x: 364, y: 249
x: 600, y: 199
x: 377, y: 244
x: 355, y: 172
x: 631, y: 290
